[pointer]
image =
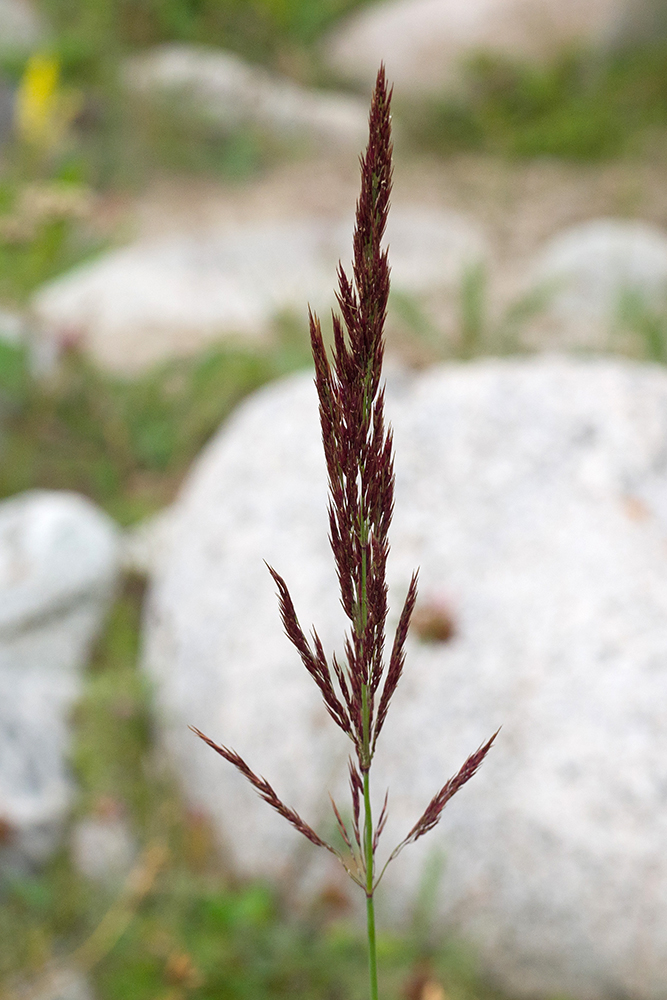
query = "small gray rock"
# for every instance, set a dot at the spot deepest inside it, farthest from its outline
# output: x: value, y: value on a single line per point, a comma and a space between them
x: 12, y: 327
x: 533, y: 495
x: 426, y: 44
x: 230, y: 92
x: 103, y: 848
x: 20, y: 27
x: 57, y: 984
x: 151, y: 301
x: 145, y: 544
x: 59, y: 560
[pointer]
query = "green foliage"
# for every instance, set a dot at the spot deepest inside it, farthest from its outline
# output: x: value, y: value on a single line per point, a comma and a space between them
x: 582, y: 107
x: 154, y: 137
x: 478, y: 332
x: 260, y: 29
x: 239, y: 943
x: 473, y: 301
x: 645, y: 322
x: 27, y: 263
x: 38, y: 242
x: 115, y: 714
x: 124, y: 443
x: 14, y: 375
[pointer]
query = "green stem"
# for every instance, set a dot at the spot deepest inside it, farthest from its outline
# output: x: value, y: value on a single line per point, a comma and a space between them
x: 363, y: 603
x: 370, y: 904
x: 366, y: 763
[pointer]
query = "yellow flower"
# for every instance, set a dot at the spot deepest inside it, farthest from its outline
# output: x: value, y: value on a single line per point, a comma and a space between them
x: 43, y: 109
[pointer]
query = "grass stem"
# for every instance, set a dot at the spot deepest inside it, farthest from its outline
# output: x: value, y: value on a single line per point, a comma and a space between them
x: 370, y: 901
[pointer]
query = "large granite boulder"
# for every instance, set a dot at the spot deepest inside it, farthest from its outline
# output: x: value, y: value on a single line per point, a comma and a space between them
x: 154, y: 300
x: 59, y: 559
x: 426, y: 44
x: 533, y: 495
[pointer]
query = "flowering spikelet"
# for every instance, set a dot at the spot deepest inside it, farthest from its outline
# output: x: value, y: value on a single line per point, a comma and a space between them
x: 265, y: 790
x: 431, y: 815
x: 357, y: 446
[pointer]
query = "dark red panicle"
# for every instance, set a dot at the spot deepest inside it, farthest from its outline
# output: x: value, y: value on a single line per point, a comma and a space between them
x: 359, y: 457
x: 360, y: 465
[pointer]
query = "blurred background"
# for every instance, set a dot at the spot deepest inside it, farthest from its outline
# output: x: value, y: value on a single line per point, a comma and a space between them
x: 177, y: 182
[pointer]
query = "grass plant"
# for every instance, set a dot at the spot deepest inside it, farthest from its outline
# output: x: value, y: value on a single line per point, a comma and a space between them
x: 358, y: 690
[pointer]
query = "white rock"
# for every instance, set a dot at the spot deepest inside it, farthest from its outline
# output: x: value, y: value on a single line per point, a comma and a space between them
x: 425, y: 44
x: 103, y: 848
x: 142, y: 304
x: 19, y: 25
x: 586, y: 270
x: 230, y: 92
x: 12, y: 327
x: 151, y: 301
x: 144, y: 544
x: 59, y: 983
x: 58, y: 567
x: 533, y: 495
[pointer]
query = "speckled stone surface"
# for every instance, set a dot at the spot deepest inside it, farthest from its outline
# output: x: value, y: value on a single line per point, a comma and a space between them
x: 533, y: 495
